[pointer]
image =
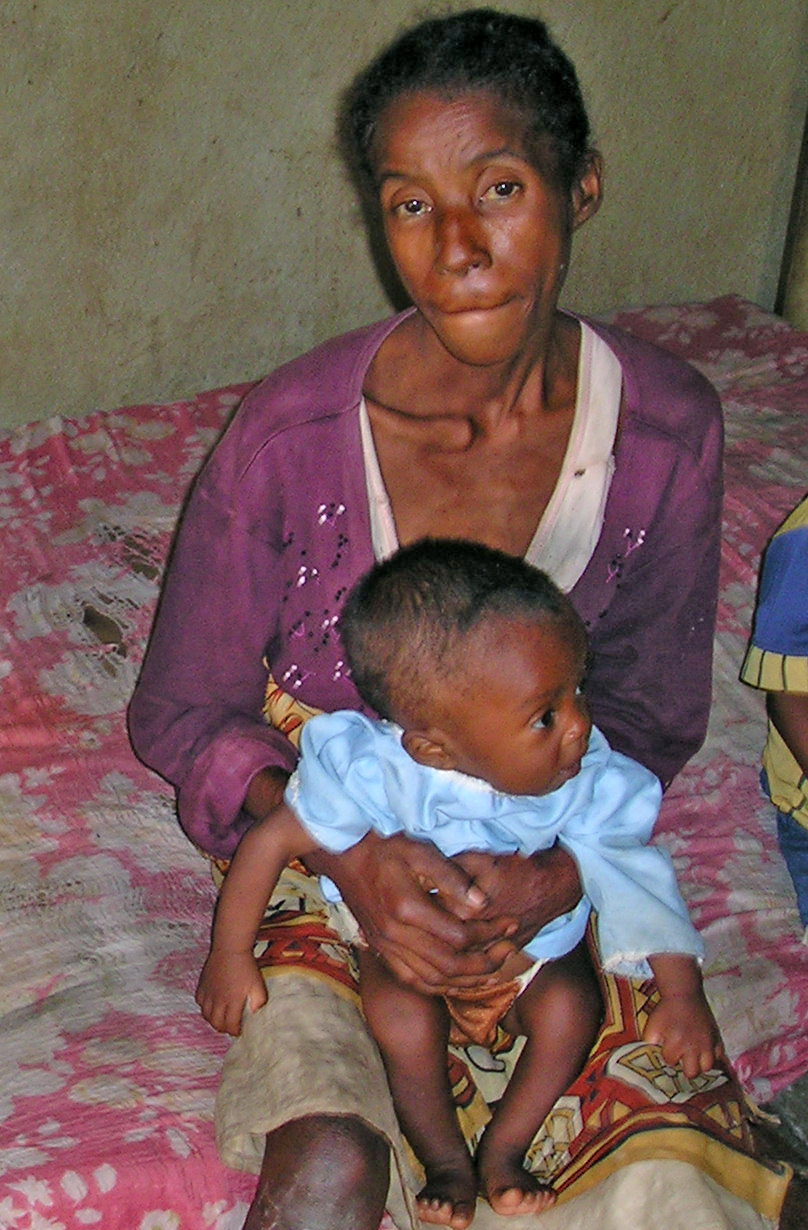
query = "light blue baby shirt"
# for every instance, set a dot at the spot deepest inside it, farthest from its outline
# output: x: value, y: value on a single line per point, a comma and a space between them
x: 354, y: 776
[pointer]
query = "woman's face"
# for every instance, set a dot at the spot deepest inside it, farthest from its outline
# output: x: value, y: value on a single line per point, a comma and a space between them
x: 480, y: 237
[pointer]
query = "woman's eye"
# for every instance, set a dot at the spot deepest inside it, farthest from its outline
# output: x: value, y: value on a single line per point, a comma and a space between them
x: 503, y: 189
x: 412, y: 208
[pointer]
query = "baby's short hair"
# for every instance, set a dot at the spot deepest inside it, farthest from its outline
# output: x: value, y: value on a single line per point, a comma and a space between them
x: 404, y: 622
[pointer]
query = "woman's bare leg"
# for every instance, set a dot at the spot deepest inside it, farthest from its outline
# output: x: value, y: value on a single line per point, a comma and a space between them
x: 412, y: 1033
x: 559, y: 1013
x: 322, y: 1172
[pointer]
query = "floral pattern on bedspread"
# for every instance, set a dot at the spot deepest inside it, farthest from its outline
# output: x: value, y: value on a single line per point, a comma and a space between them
x: 108, y: 1070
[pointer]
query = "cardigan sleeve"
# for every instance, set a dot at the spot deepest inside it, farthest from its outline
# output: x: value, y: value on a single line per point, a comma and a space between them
x: 651, y: 685
x: 195, y: 716
x: 650, y: 593
x: 264, y: 519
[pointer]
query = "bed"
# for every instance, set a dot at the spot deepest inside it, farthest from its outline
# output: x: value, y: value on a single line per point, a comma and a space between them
x: 109, y: 1072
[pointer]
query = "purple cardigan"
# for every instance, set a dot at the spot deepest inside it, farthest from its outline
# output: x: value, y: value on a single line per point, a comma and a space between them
x: 277, y: 530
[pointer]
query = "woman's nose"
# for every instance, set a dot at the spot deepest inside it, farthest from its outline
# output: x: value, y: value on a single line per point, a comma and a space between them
x: 460, y: 244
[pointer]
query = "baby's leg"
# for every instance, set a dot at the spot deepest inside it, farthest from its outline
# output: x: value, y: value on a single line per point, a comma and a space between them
x: 559, y: 1013
x: 412, y: 1032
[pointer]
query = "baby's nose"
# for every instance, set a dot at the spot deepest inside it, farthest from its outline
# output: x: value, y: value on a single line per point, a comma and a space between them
x: 579, y: 727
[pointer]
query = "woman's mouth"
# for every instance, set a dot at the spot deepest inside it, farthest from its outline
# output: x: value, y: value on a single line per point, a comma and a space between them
x: 470, y: 309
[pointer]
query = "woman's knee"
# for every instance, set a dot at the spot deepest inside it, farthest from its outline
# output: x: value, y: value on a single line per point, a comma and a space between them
x: 330, y: 1143
x: 322, y: 1172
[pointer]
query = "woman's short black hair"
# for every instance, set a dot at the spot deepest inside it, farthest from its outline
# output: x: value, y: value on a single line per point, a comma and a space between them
x: 512, y: 58
x: 405, y: 622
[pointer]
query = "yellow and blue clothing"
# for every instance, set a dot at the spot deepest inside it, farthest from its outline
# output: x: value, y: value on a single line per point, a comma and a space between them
x: 777, y: 661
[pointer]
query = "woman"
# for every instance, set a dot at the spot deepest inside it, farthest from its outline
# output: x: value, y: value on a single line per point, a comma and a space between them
x: 482, y: 412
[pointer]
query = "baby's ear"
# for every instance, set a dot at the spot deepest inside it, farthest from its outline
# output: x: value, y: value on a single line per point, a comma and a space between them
x: 428, y: 748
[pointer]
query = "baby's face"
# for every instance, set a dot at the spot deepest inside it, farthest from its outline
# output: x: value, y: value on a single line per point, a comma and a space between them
x: 521, y: 722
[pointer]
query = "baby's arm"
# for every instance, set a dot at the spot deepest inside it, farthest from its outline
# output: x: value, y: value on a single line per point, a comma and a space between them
x: 682, y: 1023
x: 230, y: 978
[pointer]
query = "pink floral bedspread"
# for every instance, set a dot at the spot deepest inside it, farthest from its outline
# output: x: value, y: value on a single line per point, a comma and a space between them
x: 108, y: 1072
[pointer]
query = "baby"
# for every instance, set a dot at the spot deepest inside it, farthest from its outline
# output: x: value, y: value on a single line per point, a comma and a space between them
x: 475, y: 661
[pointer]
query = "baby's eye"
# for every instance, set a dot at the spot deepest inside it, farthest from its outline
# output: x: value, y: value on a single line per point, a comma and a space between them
x: 503, y: 189
x: 545, y: 720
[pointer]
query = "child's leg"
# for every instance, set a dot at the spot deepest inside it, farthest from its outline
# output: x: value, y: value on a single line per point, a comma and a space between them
x: 412, y: 1033
x: 559, y: 1013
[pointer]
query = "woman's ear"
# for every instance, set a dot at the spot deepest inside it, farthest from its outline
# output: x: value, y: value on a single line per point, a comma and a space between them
x: 587, y: 190
x: 428, y: 748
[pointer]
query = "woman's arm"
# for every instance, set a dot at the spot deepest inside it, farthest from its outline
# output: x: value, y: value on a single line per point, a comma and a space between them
x: 649, y: 685
x: 649, y: 594
x: 651, y: 642
x: 195, y: 716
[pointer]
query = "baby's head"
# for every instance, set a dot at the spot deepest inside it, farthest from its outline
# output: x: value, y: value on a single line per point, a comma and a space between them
x: 479, y: 658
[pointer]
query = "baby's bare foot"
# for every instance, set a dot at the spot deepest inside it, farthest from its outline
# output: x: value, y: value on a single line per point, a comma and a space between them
x: 509, y: 1188
x: 449, y: 1196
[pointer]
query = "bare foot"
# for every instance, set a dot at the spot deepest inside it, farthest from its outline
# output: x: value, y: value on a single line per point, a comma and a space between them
x: 449, y: 1196
x: 509, y: 1188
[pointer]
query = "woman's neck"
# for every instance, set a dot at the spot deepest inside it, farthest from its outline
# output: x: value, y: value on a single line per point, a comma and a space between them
x: 414, y: 376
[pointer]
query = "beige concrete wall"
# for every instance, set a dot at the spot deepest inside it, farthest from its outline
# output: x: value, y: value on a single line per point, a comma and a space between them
x: 173, y: 214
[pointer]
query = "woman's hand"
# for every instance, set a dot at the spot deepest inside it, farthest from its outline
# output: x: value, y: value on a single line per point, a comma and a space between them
x: 444, y: 923
x: 532, y: 890
x: 420, y: 912
x: 229, y: 981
